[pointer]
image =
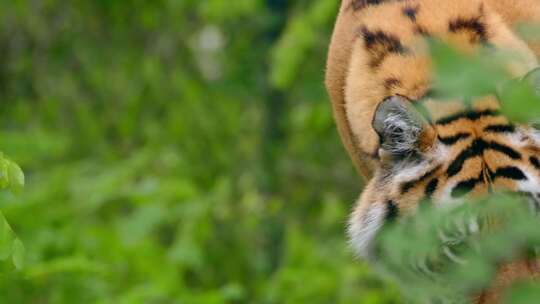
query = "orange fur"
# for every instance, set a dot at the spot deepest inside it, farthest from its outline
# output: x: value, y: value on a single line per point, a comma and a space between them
x: 378, y: 50
x: 345, y: 37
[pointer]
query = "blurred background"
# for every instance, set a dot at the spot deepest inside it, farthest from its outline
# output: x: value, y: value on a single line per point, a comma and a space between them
x: 176, y: 151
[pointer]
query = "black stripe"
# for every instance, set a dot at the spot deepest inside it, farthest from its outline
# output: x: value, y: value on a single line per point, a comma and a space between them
x: 535, y: 162
x: 392, y: 210
x: 468, y: 115
x: 360, y: 4
x: 510, y: 173
x: 513, y: 154
x: 473, y: 25
x: 405, y: 187
x: 500, y: 128
x: 465, y: 187
x: 391, y: 82
x: 420, y: 30
x: 431, y: 187
x: 410, y: 12
x: 477, y: 148
x: 380, y: 45
x: 450, y: 140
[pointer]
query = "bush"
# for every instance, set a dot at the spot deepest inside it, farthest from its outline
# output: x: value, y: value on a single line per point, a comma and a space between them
x: 177, y: 152
x: 169, y: 153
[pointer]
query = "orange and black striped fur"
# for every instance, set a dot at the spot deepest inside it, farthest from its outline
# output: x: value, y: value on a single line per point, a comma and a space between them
x: 379, y: 67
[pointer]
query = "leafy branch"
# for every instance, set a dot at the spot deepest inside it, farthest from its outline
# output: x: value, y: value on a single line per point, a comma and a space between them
x: 449, y: 254
x: 12, y: 179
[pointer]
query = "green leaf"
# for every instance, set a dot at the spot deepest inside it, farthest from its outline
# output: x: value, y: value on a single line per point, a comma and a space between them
x: 6, y: 239
x: 12, y: 178
x: 467, y: 75
x: 479, y: 251
x: 18, y: 254
x: 4, y: 173
x: 15, y: 176
x: 523, y: 293
x: 520, y: 101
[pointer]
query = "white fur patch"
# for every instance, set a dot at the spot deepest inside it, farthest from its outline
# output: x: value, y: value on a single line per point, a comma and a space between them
x: 446, y: 198
x: 363, y: 228
x: 407, y: 172
x: 533, y: 134
x: 516, y: 139
x: 532, y: 184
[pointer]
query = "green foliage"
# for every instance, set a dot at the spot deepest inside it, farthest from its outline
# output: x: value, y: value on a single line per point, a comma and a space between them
x: 460, y: 76
x: 11, y: 247
x: 301, y: 35
x: 11, y: 175
x: 484, y: 73
x: 479, y: 235
x: 163, y: 165
x: 456, y: 250
x: 166, y: 163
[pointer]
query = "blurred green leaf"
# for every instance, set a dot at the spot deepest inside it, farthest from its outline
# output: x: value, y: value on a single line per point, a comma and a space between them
x: 15, y: 176
x: 523, y: 293
x: 462, y: 75
x: 18, y: 254
x: 10, y: 245
x: 300, y: 36
x: 6, y: 240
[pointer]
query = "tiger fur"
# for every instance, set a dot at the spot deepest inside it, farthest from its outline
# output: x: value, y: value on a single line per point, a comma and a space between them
x: 377, y: 68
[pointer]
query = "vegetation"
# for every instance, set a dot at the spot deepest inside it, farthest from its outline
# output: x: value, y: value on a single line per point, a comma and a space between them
x: 175, y: 152
x: 456, y: 250
x: 178, y: 152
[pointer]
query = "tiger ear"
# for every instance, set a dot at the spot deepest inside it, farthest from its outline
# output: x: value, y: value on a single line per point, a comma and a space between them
x: 399, y: 126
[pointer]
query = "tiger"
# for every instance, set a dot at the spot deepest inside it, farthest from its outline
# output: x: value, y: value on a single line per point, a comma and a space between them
x: 378, y: 71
